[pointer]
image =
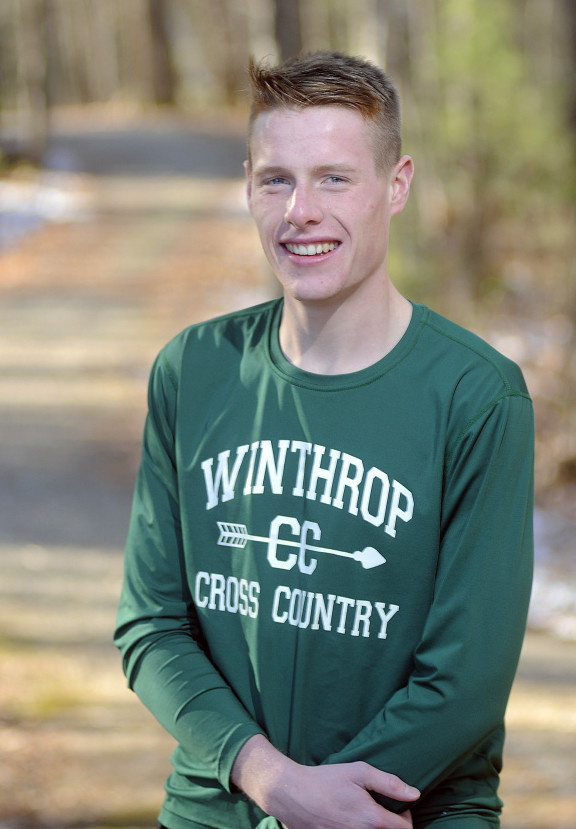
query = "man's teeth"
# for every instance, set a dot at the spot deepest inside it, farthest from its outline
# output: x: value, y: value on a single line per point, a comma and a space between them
x: 312, y: 250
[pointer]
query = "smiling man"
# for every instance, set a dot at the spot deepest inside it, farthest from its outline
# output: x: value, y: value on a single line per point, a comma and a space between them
x: 329, y: 559
x: 322, y: 203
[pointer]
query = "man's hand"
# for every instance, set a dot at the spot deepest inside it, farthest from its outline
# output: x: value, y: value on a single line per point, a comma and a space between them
x: 318, y: 797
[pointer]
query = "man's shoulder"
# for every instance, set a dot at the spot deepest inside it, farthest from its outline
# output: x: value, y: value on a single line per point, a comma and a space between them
x: 232, y: 331
x: 460, y: 350
x: 206, y: 352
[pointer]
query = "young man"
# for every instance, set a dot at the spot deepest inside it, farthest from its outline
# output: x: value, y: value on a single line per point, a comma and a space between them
x: 329, y: 560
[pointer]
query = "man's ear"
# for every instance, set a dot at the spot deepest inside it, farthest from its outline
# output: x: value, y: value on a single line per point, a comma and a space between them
x: 400, y: 183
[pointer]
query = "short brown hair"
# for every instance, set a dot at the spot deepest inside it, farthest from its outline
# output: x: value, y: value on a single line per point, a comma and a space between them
x: 331, y: 79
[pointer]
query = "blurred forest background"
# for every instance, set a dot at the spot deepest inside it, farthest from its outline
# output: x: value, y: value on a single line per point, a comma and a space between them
x: 489, y: 109
x: 123, y: 218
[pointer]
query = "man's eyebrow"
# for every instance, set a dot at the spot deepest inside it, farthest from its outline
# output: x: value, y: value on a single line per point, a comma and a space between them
x: 270, y: 170
x: 322, y: 169
x: 337, y: 167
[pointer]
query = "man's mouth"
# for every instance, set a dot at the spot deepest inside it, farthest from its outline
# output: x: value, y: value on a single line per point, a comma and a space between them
x: 311, y: 249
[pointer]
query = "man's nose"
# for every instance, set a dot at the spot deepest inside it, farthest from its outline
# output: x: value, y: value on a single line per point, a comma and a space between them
x: 303, y: 207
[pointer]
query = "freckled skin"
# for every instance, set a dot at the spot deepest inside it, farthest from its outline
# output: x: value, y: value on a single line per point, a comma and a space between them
x: 314, y: 179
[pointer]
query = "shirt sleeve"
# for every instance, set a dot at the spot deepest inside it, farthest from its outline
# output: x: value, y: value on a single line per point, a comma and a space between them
x: 465, y: 663
x: 157, y: 634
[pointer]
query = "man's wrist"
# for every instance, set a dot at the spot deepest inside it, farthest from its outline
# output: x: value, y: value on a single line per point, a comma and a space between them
x: 260, y: 771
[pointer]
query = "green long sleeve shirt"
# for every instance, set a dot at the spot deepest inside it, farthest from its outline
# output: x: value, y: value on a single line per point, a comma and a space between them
x: 342, y: 563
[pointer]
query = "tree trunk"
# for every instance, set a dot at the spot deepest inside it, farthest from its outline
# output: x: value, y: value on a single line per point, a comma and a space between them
x: 570, y: 12
x: 287, y: 28
x: 32, y: 79
x: 164, y: 80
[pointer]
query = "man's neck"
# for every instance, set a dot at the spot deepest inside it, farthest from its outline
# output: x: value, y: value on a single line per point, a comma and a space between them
x: 324, y: 339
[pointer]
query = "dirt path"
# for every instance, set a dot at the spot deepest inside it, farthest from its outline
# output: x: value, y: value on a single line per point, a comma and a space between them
x: 84, y: 308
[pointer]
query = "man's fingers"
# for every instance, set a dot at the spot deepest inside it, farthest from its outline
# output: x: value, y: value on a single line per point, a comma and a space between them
x: 389, y: 785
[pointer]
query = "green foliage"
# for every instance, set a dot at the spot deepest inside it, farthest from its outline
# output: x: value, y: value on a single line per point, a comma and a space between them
x: 493, y: 153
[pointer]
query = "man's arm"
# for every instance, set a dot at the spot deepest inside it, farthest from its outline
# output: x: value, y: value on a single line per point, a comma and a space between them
x: 161, y: 644
x: 318, y: 797
x: 464, y: 667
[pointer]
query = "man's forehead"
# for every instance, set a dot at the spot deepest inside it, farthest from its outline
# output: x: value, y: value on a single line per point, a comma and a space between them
x: 316, y: 130
x: 304, y: 116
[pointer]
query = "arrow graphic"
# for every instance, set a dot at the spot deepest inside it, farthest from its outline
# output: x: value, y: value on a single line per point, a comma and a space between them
x: 237, y: 535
